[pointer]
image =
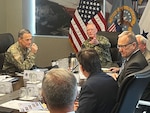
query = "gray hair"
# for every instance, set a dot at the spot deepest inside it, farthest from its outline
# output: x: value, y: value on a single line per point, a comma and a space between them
x: 23, y: 31
x: 59, y: 88
x: 131, y: 36
x: 142, y: 38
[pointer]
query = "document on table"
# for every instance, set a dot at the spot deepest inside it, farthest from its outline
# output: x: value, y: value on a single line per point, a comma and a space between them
x: 3, y: 77
x: 38, y: 111
x: 106, y: 70
x: 24, y: 106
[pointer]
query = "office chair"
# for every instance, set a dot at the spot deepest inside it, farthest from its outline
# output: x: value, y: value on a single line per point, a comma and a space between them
x: 131, y: 91
x: 6, y: 39
x: 113, y: 39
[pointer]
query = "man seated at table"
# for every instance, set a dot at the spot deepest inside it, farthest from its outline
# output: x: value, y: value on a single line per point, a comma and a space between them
x: 59, y: 91
x: 134, y: 60
x: 100, y: 43
x: 142, y: 44
x: 21, y: 55
x: 98, y: 93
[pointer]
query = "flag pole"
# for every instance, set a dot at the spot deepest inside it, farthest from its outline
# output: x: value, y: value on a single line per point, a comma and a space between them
x: 104, y: 8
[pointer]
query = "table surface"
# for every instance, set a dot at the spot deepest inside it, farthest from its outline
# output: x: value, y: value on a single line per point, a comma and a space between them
x: 11, y: 96
x: 6, y: 98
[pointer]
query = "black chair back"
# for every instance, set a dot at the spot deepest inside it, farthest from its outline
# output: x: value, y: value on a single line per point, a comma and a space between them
x: 113, y: 39
x: 6, y: 39
x: 131, y: 91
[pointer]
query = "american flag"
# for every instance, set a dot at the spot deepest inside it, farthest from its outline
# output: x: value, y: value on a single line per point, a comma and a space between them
x: 114, y: 27
x: 88, y: 11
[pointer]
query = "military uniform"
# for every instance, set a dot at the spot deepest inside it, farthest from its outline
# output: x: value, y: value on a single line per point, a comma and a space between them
x: 102, y: 49
x: 18, y: 59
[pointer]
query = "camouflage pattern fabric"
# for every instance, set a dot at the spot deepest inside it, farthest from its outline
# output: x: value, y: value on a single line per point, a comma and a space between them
x: 18, y: 59
x: 103, y: 49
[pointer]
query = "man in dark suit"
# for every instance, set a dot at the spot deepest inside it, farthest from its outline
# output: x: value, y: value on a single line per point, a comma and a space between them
x: 134, y: 60
x: 99, y: 92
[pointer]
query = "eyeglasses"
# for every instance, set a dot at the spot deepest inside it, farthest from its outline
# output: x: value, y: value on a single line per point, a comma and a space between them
x: 123, y: 46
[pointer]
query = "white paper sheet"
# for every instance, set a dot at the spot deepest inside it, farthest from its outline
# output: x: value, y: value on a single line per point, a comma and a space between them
x: 23, y: 105
x: 38, y: 111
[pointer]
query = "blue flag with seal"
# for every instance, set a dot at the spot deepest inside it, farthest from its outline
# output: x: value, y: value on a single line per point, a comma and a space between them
x: 123, y: 17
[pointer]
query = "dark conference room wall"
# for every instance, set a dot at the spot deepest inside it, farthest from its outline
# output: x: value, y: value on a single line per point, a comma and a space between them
x: 50, y: 48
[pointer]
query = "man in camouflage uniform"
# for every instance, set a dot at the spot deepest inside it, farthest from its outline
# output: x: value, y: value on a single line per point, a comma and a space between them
x: 100, y: 43
x: 21, y: 55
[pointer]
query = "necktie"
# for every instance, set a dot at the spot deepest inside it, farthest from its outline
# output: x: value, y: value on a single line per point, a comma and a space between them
x: 122, y: 66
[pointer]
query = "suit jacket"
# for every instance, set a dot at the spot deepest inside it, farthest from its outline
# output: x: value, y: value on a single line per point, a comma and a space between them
x: 98, y: 94
x: 147, y: 55
x: 135, y: 63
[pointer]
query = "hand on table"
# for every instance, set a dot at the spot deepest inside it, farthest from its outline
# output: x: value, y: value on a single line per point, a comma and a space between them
x: 114, y: 69
x: 114, y: 73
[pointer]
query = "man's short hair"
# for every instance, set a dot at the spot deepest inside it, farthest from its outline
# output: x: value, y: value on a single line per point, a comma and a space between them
x: 22, y: 31
x: 59, y: 88
x: 131, y: 36
x: 89, y: 59
x: 143, y: 40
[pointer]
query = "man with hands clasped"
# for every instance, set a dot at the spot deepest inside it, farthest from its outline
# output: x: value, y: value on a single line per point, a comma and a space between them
x: 21, y: 55
x: 100, y: 43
